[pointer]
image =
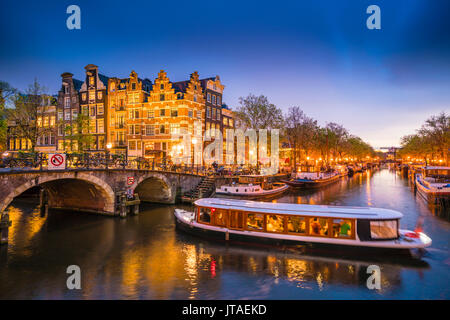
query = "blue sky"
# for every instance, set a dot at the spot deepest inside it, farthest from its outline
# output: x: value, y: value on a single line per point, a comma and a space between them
x: 319, y: 55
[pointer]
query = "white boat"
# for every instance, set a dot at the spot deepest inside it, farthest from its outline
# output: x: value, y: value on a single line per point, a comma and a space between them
x: 251, y: 187
x: 433, y: 183
x: 332, y: 227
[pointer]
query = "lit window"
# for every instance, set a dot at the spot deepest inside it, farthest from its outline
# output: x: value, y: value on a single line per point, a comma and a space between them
x: 204, y: 215
x: 275, y: 223
x: 342, y: 228
x: 255, y: 221
x: 318, y: 226
x: 296, y: 224
x: 100, y: 126
x: 386, y: 229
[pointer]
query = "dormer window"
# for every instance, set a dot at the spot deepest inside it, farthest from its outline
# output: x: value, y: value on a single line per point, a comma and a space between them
x: 161, y: 97
x: 112, y: 87
x: 91, y: 81
x: 133, y: 86
x: 162, y: 86
x: 195, y: 87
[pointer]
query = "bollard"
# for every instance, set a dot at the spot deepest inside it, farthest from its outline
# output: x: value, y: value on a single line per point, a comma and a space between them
x: 5, y: 223
x: 123, y: 208
x: 43, y: 202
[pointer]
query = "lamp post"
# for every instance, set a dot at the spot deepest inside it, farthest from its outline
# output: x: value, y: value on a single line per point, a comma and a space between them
x: 108, y: 147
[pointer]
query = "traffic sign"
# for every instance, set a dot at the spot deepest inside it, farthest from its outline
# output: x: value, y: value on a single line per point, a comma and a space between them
x: 130, y: 180
x: 56, y: 161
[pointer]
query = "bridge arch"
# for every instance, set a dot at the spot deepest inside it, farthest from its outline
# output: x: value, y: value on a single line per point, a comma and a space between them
x: 155, y: 187
x: 75, y: 190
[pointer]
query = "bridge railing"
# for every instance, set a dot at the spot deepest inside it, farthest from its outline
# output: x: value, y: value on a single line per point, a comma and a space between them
x: 89, y: 161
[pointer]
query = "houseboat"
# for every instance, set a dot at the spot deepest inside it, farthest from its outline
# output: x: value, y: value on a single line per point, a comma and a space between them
x: 313, y: 179
x: 342, y: 170
x: 252, y: 187
x: 433, y: 183
x: 360, y: 229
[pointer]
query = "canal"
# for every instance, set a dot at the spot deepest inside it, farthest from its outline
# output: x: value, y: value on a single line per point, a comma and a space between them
x: 144, y: 257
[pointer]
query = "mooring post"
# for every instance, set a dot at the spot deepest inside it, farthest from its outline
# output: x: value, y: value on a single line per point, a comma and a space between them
x: 43, y: 202
x: 5, y: 223
x: 123, y: 207
x: 136, y: 206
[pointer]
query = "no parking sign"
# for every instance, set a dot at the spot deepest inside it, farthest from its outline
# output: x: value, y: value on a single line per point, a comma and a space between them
x: 56, y: 161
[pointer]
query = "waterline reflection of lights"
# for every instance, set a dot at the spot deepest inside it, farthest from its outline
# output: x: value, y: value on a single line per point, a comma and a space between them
x: 24, y: 227
x: 190, y: 268
x: 368, y: 189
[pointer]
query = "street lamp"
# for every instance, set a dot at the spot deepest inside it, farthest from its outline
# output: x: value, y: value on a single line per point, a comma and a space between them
x: 108, y: 147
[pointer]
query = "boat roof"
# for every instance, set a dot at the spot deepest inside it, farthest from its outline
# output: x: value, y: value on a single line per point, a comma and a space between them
x: 301, y: 209
x: 436, y: 168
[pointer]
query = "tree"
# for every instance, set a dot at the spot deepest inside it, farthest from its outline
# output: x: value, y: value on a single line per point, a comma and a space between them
x: 299, y: 130
x: 78, y: 133
x: 257, y: 113
x: 436, y: 131
x: 430, y: 141
x: 28, y: 109
x: 337, y: 136
x: 6, y: 94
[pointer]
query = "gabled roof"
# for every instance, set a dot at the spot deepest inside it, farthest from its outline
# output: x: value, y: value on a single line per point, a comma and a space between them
x: 204, y: 81
x: 77, y: 84
x: 180, y: 86
x: 103, y: 79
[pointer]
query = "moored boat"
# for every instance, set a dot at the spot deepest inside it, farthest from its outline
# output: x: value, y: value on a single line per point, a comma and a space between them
x: 313, y: 179
x: 433, y: 183
x: 337, y: 228
x: 252, y: 187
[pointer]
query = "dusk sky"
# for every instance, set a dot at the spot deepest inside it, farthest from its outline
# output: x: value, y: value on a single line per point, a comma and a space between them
x: 319, y: 55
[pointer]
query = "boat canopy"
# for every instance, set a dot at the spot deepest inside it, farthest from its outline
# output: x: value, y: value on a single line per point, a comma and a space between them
x: 301, y: 209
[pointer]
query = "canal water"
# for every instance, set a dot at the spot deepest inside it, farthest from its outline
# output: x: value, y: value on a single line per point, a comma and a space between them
x: 144, y: 257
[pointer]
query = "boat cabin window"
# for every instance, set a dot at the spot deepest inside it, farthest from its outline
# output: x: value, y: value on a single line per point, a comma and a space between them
x: 342, y: 228
x: 296, y: 224
x: 220, y: 218
x: 204, y: 215
x: 318, y: 226
x: 255, y: 221
x: 275, y: 223
x: 384, y: 229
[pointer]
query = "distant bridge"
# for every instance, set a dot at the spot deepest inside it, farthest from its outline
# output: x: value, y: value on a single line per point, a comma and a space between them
x: 95, y: 190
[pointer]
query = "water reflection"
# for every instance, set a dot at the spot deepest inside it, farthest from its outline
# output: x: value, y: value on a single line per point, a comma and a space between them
x: 144, y: 257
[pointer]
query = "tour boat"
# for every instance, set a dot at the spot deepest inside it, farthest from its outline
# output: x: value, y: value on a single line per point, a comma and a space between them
x: 251, y: 187
x: 360, y: 229
x: 433, y: 183
x: 313, y: 179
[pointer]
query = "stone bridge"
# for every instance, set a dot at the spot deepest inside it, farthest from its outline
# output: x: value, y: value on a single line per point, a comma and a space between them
x: 95, y: 190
